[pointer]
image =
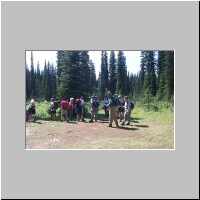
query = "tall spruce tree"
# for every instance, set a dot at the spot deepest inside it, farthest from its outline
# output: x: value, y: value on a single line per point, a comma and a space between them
x: 162, y: 72
x: 141, y: 76
x: 92, y: 79
x: 37, y: 82
x: 85, y: 73
x: 112, y: 73
x: 28, y: 83
x: 104, y: 74
x: 165, y: 75
x: 122, y: 73
x: 150, y: 76
x: 32, y: 77
x: 171, y: 75
x: 45, y: 82
x: 73, y: 73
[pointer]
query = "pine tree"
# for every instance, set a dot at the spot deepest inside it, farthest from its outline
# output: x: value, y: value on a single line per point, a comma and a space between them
x: 165, y: 75
x: 150, y: 76
x: 85, y: 73
x: 122, y: 74
x: 92, y: 78
x: 141, y: 76
x: 60, y: 67
x: 45, y: 82
x: 99, y: 84
x: 28, y: 83
x: 171, y: 75
x: 162, y: 72
x: 73, y: 73
x: 104, y: 74
x: 54, y: 81
x: 112, y: 73
x: 37, y: 82
x: 32, y: 77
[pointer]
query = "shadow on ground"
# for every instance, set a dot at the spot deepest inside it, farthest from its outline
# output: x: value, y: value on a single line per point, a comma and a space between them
x: 142, y: 126
x: 127, y: 128
x: 36, y: 122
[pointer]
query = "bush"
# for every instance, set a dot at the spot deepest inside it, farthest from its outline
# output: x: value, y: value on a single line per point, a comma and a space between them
x: 42, y: 110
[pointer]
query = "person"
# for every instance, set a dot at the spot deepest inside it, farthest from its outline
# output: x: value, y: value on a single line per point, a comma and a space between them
x: 78, y: 109
x: 31, y: 111
x: 64, y: 104
x: 94, y: 108
x: 106, y: 106
x: 83, y: 108
x: 113, y: 109
x: 127, y: 111
x: 121, y: 108
x: 71, y: 108
x: 52, y: 108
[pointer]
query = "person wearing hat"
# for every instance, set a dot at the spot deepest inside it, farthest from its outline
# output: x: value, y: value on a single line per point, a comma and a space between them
x: 113, y: 108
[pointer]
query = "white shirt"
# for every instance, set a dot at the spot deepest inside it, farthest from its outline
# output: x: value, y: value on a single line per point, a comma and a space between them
x: 82, y: 102
x: 127, y: 105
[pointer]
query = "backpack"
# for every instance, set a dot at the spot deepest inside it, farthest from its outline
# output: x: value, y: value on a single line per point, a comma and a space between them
x: 115, y: 101
x: 52, y: 107
x: 132, y: 105
x: 95, y: 103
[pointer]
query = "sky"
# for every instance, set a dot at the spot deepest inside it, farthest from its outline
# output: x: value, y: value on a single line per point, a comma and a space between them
x: 132, y: 59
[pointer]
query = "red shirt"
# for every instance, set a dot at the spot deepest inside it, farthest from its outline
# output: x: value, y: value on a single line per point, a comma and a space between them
x: 64, y: 104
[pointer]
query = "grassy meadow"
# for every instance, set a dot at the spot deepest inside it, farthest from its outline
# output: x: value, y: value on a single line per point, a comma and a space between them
x: 150, y: 128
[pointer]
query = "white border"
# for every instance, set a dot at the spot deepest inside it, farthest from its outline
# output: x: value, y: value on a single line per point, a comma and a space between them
x: 114, y: 149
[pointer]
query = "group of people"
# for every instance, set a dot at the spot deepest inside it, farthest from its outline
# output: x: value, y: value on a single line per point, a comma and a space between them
x: 118, y: 107
x: 115, y: 107
x: 68, y: 108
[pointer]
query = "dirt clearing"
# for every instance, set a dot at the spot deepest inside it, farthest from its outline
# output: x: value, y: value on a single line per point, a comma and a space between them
x: 83, y: 135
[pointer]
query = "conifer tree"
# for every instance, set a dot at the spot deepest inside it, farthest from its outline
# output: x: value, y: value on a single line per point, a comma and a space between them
x: 112, y: 73
x: 122, y: 73
x: 104, y: 74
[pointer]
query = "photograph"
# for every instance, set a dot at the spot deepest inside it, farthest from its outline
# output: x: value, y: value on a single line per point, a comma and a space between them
x: 99, y: 99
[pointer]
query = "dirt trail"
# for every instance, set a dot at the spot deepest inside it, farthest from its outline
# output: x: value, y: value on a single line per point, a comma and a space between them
x: 83, y: 135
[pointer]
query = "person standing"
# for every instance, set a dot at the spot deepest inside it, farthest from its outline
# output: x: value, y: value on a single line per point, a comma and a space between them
x: 78, y: 109
x: 106, y: 106
x: 113, y: 109
x: 64, y: 104
x: 31, y: 111
x: 52, y: 108
x: 94, y: 108
x: 82, y: 108
x: 127, y: 111
x: 121, y: 108
x: 71, y: 108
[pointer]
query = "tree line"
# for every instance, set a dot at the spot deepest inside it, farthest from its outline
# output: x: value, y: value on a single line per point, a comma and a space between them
x: 40, y: 84
x: 75, y: 76
x: 155, y: 79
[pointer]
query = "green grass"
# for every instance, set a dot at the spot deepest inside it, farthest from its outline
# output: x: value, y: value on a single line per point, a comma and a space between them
x: 163, y: 115
x: 42, y: 110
